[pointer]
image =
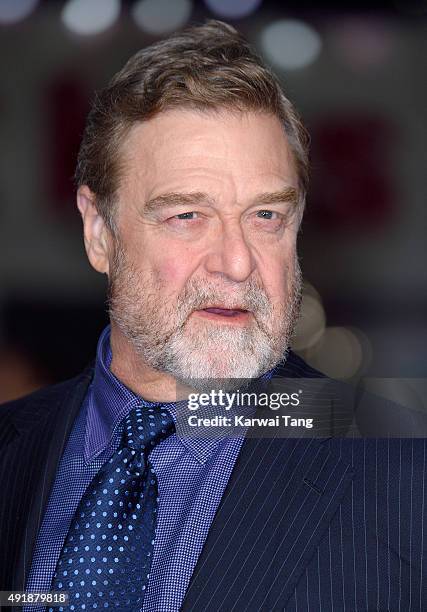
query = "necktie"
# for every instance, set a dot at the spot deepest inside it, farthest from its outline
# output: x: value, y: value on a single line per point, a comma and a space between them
x: 106, y: 557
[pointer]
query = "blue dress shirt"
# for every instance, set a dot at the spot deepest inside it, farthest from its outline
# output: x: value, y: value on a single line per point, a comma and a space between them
x: 192, y: 475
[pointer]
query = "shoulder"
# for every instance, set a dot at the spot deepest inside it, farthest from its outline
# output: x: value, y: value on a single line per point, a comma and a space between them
x: 398, y: 453
x: 293, y: 366
x: 47, y: 399
x: 371, y: 415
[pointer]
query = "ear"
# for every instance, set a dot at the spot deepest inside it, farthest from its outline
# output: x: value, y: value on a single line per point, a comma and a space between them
x: 96, y: 233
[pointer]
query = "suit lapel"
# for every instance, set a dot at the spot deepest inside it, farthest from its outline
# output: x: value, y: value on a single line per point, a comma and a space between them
x: 42, y: 432
x: 280, y: 499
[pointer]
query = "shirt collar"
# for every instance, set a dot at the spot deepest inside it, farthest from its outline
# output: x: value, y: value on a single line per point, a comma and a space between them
x: 109, y: 401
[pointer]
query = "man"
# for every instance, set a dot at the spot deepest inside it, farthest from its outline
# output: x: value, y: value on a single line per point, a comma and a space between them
x: 191, y: 184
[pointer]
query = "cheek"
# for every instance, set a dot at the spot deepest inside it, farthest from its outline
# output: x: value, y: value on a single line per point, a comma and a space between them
x: 276, y: 271
x: 172, y: 271
x: 275, y: 282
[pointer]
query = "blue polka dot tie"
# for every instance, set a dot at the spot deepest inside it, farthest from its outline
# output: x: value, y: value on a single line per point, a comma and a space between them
x: 106, y: 557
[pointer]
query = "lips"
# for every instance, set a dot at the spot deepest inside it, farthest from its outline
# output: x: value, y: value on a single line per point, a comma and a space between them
x: 226, y: 312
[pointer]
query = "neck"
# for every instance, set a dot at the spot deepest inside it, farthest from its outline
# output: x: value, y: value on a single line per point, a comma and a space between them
x: 153, y: 385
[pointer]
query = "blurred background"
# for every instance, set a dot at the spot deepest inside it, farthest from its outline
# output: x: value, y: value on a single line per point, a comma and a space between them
x: 357, y: 76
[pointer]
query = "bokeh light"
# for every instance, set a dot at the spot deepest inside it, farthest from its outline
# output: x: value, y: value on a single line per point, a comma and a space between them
x: 290, y: 44
x: 362, y: 42
x: 161, y: 16
x: 12, y: 11
x: 88, y: 17
x: 339, y: 353
x: 233, y: 9
x: 311, y: 324
x: 406, y: 392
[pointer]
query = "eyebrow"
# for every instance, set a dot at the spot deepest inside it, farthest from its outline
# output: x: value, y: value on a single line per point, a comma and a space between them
x: 288, y: 195
x: 197, y: 198
x: 166, y: 200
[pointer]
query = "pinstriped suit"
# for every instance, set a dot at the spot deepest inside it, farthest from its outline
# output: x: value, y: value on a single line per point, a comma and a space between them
x: 304, y: 524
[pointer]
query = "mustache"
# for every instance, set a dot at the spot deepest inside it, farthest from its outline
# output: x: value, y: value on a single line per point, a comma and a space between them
x: 202, y: 294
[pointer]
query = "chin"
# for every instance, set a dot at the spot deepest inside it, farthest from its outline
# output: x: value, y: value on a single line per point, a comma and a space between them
x: 221, y: 370
x: 206, y: 385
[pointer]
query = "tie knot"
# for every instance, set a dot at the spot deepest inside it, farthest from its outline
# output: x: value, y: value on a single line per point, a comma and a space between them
x: 146, y: 427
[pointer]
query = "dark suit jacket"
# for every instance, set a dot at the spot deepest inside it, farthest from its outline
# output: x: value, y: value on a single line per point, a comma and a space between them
x: 304, y: 524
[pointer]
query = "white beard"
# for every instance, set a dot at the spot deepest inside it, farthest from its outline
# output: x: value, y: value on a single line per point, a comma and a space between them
x: 198, y: 352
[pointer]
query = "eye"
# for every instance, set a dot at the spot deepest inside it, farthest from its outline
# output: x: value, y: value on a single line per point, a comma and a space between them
x: 267, y: 214
x: 190, y: 221
x: 186, y: 215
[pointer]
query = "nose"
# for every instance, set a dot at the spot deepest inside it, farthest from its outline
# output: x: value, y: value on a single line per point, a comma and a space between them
x: 230, y: 254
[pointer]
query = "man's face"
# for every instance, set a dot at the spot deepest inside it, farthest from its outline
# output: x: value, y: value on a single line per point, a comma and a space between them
x: 204, y: 280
